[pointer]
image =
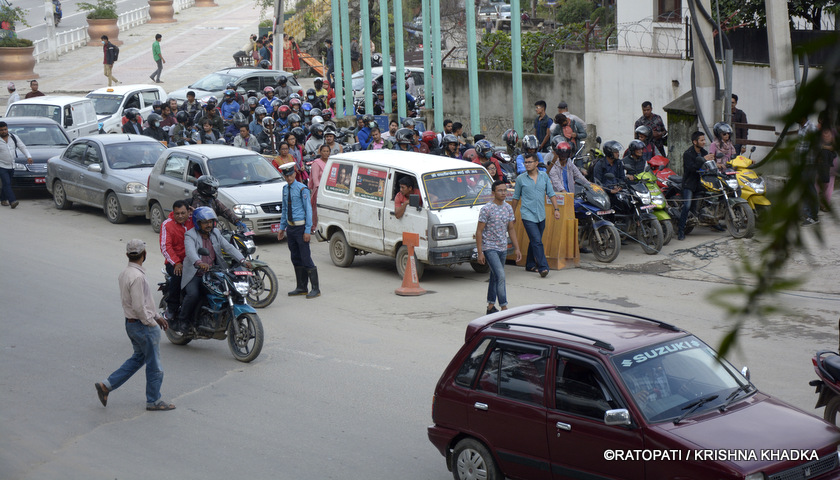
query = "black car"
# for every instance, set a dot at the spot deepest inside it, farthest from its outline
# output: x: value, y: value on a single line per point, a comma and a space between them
x: 44, y: 138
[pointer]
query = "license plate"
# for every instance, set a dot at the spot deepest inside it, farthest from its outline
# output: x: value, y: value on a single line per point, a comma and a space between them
x: 275, y: 227
x: 605, y: 212
x: 40, y: 180
x: 731, y: 173
x: 648, y: 207
x: 245, y: 273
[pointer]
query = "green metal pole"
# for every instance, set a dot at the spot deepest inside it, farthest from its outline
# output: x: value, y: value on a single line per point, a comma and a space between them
x: 385, y: 42
x: 516, y: 58
x: 427, y: 40
x: 345, y: 43
x: 364, y: 13
x: 438, y: 69
x: 336, y: 38
x: 398, y: 49
x: 472, y: 69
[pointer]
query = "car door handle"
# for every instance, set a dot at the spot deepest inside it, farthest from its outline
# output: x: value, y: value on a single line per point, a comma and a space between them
x: 481, y: 406
x: 564, y: 426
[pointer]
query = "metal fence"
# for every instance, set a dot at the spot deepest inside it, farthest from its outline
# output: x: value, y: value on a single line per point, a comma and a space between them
x: 133, y: 18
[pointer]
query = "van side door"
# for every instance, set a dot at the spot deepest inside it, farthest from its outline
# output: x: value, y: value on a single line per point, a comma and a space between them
x: 414, y: 220
x: 367, y: 209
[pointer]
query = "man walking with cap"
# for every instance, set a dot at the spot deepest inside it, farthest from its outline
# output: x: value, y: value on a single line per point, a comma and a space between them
x: 296, y: 223
x: 142, y: 324
x: 14, y: 96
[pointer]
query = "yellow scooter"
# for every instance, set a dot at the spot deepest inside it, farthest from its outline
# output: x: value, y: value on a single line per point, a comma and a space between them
x: 752, y: 185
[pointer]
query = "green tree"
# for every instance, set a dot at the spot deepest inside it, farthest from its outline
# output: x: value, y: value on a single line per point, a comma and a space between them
x: 737, y: 12
x: 575, y: 11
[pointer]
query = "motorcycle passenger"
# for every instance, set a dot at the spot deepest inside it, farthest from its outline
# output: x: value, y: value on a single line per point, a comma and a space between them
x: 181, y: 134
x: 266, y: 100
x: 191, y: 106
x: 294, y: 121
x: 644, y: 134
x: 693, y: 160
x: 269, y: 138
x: 563, y: 173
x: 169, y: 119
x: 255, y: 127
x: 157, y: 107
x: 204, y: 234
x: 295, y: 105
x: 610, y: 164
x: 450, y: 147
x: 511, y: 139
x: 377, y: 142
x: 530, y: 144
x: 154, y: 129
x: 335, y: 147
x: 316, y: 139
x: 133, y: 123
x: 248, y: 108
x: 321, y: 92
x: 485, y: 151
x: 430, y: 139
x: 364, y: 125
x: 172, y: 232
x: 283, y: 89
x: 237, y: 97
x: 211, y: 113
x: 405, y: 139
x: 379, y: 102
x: 206, y: 133
x: 313, y: 99
x: 246, y: 140
x: 722, y: 144
x: 634, y: 161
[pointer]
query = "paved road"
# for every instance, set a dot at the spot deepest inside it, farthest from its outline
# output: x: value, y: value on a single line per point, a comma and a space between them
x: 343, y: 387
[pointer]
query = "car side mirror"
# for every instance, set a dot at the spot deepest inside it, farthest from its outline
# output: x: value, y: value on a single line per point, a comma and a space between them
x: 745, y: 371
x: 204, y: 252
x: 68, y: 121
x: 619, y: 416
x: 95, y: 167
x: 414, y: 201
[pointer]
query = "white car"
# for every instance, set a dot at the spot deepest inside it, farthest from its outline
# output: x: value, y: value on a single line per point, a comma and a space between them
x: 504, y: 12
x: 358, y: 79
x: 110, y: 102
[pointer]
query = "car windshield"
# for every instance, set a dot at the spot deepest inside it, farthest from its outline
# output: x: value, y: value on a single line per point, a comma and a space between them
x: 104, y: 103
x: 488, y: 9
x: 458, y: 188
x: 133, y: 154
x: 667, y: 380
x: 40, y: 135
x: 213, y: 82
x: 505, y: 9
x: 32, y: 110
x: 242, y: 170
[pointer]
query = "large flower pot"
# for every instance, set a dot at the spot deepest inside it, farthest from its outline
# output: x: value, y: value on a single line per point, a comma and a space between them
x: 206, y: 3
x: 106, y: 26
x: 17, y: 63
x: 161, y: 11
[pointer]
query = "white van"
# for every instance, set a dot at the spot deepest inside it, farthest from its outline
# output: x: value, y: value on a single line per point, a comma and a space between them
x: 75, y: 114
x: 110, y: 102
x: 356, y: 207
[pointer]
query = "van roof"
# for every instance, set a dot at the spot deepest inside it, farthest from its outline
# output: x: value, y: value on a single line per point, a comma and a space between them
x: 52, y: 100
x: 412, y: 161
x: 124, y: 89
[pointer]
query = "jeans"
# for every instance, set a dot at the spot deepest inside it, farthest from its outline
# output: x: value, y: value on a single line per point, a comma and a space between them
x: 536, y: 251
x: 299, y: 250
x: 156, y: 74
x: 496, y: 288
x: 687, y: 196
x: 6, y: 175
x: 192, y: 295
x: 173, y: 300
x: 145, y: 340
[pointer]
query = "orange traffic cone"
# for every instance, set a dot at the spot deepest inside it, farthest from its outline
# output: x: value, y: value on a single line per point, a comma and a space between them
x: 410, y: 285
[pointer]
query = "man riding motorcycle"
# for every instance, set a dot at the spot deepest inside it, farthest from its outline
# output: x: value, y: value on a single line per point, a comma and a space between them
x: 204, y: 195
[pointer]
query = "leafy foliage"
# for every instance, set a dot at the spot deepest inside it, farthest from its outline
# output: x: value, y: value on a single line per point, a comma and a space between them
x: 11, y: 16
x: 101, y: 10
x: 754, y: 13
x: 537, y: 48
x: 15, y: 42
x: 575, y: 11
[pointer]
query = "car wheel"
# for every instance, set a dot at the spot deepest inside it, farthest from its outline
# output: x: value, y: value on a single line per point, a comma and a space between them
x: 402, y: 262
x: 113, y: 210
x: 341, y: 253
x: 156, y: 216
x: 831, y: 409
x: 60, y: 196
x: 471, y: 461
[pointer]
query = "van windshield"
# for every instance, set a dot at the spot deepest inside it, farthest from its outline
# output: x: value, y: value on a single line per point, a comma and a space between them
x: 458, y: 188
x: 105, y: 104
x: 32, y: 110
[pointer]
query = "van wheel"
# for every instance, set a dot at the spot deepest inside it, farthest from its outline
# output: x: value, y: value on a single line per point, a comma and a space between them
x: 341, y: 253
x: 402, y: 261
x: 479, y: 268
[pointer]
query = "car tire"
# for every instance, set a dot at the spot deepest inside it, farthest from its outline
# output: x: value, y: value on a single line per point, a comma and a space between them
x: 402, y: 261
x: 113, y: 210
x: 479, y: 268
x: 341, y: 253
x: 156, y: 216
x: 471, y: 459
x: 60, y: 196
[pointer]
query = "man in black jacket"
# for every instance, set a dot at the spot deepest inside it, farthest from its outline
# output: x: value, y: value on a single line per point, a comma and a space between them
x: 109, y: 50
x: 693, y: 160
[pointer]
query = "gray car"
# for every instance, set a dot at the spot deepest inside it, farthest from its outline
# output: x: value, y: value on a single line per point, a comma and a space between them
x: 248, y: 184
x: 108, y: 171
x: 44, y: 138
x: 244, y: 78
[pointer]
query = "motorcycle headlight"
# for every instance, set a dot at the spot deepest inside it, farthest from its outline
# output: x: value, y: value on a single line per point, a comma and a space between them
x: 135, y: 187
x: 757, y: 186
x: 732, y: 183
x: 246, y: 209
x: 658, y: 200
x: 242, y: 288
x: 645, y: 198
x: 445, y: 232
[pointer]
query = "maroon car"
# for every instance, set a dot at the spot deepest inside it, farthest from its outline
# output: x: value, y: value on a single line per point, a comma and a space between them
x: 548, y: 392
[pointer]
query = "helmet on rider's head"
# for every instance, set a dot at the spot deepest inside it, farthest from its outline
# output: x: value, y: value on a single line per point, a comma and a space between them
x: 379, y: 91
x: 212, y: 102
x: 132, y: 114
x: 251, y: 93
x: 307, y: 108
x: 299, y: 134
x: 268, y: 90
x: 317, y: 130
x: 327, y: 113
x: 275, y: 103
x: 310, y: 94
x: 318, y: 82
x: 510, y: 137
x: 268, y: 122
x: 449, y: 139
x: 430, y: 138
x: 470, y: 155
x: 282, y: 80
x: 203, y: 214
x: 229, y: 95
x: 252, y: 102
x: 284, y: 111
x: 484, y: 149
x: 332, y: 103
x: 154, y: 119
x: 316, y: 119
x: 293, y: 102
x: 230, y: 86
x: 720, y: 129
x: 330, y: 130
x: 408, y: 123
x: 240, y: 120
x: 561, y: 147
x: 182, y: 117
x: 316, y: 112
x: 530, y: 142
x: 207, y: 186
x: 405, y: 136
x: 612, y: 148
x: 260, y: 111
x: 293, y: 118
x: 643, y: 130
x: 157, y: 105
x: 294, y: 95
x: 636, y: 145
x: 264, y: 64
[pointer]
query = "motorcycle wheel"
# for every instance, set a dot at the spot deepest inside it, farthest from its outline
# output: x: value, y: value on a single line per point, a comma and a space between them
x: 246, y: 346
x: 608, y: 249
x: 668, y: 231
x: 831, y: 410
x: 174, y: 337
x: 743, y: 223
x: 263, y: 287
x: 652, y: 237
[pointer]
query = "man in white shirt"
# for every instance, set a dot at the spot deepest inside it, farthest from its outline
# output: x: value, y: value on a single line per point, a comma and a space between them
x: 10, y: 144
x: 13, y: 95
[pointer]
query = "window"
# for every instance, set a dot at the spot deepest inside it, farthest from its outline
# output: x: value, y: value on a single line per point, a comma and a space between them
x: 133, y: 155
x: 250, y: 83
x: 93, y: 155
x: 195, y: 170
x: 33, y: 135
x: 515, y: 371
x: 175, y: 166
x: 370, y: 183
x: 149, y: 97
x: 68, y: 116
x: 669, y: 11
x: 338, y: 178
x: 470, y: 366
x: 397, y: 177
x: 580, y: 390
x: 76, y: 152
x: 133, y: 101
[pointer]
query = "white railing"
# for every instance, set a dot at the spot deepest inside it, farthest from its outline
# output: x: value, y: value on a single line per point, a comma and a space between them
x: 66, y: 41
x: 180, y: 5
x: 132, y: 18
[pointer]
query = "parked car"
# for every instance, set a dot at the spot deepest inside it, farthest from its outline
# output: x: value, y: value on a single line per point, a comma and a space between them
x: 109, y: 103
x: 108, y: 171
x: 245, y: 78
x: 248, y: 183
x: 358, y: 79
x: 75, y: 114
x: 545, y: 391
x: 504, y: 12
x: 487, y: 12
x: 44, y: 139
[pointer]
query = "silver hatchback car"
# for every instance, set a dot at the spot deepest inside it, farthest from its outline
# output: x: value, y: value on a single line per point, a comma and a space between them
x: 248, y: 184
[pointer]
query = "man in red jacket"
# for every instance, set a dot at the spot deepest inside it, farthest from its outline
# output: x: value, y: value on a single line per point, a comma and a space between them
x: 172, y: 232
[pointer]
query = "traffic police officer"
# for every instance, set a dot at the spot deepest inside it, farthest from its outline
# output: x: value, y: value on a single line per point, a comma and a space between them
x: 296, y: 223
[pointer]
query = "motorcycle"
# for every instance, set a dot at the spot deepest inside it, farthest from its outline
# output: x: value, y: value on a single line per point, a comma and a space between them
x: 263, y: 283
x: 223, y: 312
x: 827, y: 365
x: 752, y: 185
x: 719, y: 200
x: 57, y: 13
x: 659, y: 167
x: 632, y: 205
x: 660, y: 210
x: 586, y: 163
x: 591, y: 205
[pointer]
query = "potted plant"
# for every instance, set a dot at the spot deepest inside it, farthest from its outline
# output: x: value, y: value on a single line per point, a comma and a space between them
x: 16, y: 59
x: 102, y: 20
x: 161, y: 11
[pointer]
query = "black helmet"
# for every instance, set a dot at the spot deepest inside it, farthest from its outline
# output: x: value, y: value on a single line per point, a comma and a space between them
x: 720, y: 128
x: 405, y: 136
x: 379, y: 91
x: 317, y: 130
x: 252, y: 101
x: 230, y: 86
x: 484, y: 149
x: 644, y: 130
x: 294, y: 117
x: 447, y: 139
x: 636, y: 145
x: 408, y: 123
x: 251, y: 93
x: 265, y: 64
x: 612, y: 147
x: 530, y: 142
x: 368, y: 119
x: 131, y: 113
x: 510, y: 137
x: 182, y: 117
x: 317, y: 81
x: 240, y: 120
x: 157, y: 104
x: 299, y: 134
x: 207, y: 186
x: 154, y: 120
x: 281, y: 80
x: 315, y: 112
x: 211, y: 102
x: 310, y: 94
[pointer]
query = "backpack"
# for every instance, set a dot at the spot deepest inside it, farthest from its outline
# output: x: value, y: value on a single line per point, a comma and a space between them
x: 116, y: 52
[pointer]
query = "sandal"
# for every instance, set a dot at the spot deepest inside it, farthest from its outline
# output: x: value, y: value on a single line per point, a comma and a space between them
x: 160, y: 407
x: 543, y: 273
x: 102, y: 391
x: 532, y: 269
